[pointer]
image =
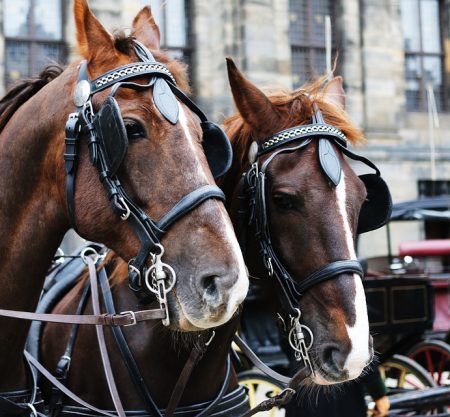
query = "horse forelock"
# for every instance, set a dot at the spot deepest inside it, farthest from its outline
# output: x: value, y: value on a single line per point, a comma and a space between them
x: 296, y: 109
x: 125, y: 44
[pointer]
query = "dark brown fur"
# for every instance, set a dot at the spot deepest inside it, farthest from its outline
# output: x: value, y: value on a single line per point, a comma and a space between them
x: 160, y: 353
x: 33, y: 209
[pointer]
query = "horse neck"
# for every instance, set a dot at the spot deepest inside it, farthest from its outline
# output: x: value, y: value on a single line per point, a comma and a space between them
x: 32, y: 216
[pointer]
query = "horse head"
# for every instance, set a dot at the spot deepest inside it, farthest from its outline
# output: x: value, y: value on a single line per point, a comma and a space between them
x: 146, y: 140
x: 306, y: 205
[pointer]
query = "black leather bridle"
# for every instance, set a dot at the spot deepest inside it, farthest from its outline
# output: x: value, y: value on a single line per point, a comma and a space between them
x: 253, y: 210
x: 84, y: 124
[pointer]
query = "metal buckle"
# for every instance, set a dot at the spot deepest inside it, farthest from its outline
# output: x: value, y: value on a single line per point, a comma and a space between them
x: 133, y: 317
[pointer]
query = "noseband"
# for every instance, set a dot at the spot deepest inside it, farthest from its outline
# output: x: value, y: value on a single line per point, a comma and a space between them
x: 253, y: 210
x: 107, y: 141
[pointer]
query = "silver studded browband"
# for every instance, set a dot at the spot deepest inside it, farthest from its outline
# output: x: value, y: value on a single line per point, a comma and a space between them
x: 130, y: 71
x: 299, y: 132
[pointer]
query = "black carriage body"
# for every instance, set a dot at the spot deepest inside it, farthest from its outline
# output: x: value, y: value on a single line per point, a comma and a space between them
x: 400, y: 311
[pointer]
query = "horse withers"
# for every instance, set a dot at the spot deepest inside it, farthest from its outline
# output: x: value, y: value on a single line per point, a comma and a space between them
x: 107, y: 146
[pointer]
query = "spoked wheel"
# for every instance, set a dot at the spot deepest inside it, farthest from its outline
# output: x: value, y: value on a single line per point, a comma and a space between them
x: 434, y: 356
x: 260, y: 388
x: 402, y: 374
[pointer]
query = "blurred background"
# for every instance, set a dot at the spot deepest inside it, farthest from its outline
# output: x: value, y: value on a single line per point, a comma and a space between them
x: 394, y: 56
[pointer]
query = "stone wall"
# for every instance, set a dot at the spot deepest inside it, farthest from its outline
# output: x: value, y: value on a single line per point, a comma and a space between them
x: 371, y: 59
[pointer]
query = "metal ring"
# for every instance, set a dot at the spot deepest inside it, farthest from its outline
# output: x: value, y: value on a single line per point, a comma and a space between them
x: 167, y: 268
x: 310, y: 334
x: 89, y: 250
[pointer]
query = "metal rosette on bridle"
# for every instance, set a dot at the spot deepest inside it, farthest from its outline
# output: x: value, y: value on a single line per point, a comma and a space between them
x: 160, y: 279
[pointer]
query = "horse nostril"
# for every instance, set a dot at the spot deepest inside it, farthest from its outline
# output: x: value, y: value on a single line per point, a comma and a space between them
x: 333, y: 360
x: 209, y: 286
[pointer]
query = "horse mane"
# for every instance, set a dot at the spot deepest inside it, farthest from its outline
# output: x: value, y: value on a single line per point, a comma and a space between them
x: 299, y: 111
x: 23, y: 90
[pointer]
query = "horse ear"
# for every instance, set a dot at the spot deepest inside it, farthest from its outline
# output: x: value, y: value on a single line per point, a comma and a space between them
x: 92, y: 37
x: 334, y: 92
x: 253, y: 105
x: 146, y: 30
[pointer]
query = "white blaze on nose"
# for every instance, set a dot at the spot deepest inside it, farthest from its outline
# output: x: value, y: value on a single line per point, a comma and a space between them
x: 184, y: 125
x: 359, y: 332
x: 240, y: 288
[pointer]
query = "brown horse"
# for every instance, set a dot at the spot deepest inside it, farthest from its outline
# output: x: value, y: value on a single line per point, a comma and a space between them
x: 312, y: 224
x: 164, y: 162
x: 309, y: 219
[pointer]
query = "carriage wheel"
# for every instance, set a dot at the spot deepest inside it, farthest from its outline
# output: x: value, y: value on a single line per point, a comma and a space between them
x: 261, y: 387
x: 434, y: 356
x: 402, y: 374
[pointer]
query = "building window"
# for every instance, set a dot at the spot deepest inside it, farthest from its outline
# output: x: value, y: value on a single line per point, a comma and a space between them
x: 307, y: 38
x: 173, y: 19
x: 423, y: 53
x: 33, y: 32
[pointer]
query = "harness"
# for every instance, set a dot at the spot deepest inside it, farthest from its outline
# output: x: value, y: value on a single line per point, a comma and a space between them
x: 252, y: 210
x: 231, y: 404
x: 105, y: 134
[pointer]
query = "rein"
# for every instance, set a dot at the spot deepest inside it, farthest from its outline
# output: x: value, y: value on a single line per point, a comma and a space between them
x: 99, y: 279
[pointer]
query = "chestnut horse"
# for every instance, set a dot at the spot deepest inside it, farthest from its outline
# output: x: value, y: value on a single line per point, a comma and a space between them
x: 313, y: 223
x: 165, y: 164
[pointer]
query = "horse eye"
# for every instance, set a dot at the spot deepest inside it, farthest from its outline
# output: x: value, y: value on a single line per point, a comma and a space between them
x: 284, y: 201
x: 134, y: 130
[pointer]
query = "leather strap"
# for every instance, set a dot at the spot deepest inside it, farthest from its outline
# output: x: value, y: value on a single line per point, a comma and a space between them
x: 188, y: 203
x: 67, y: 392
x: 233, y: 404
x: 248, y: 352
x: 329, y: 271
x: 282, y: 399
x: 196, y: 354
x: 125, y: 352
x: 122, y: 319
x: 101, y: 339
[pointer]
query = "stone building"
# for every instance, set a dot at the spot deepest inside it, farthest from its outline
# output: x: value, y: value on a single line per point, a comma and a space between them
x: 390, y: 53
